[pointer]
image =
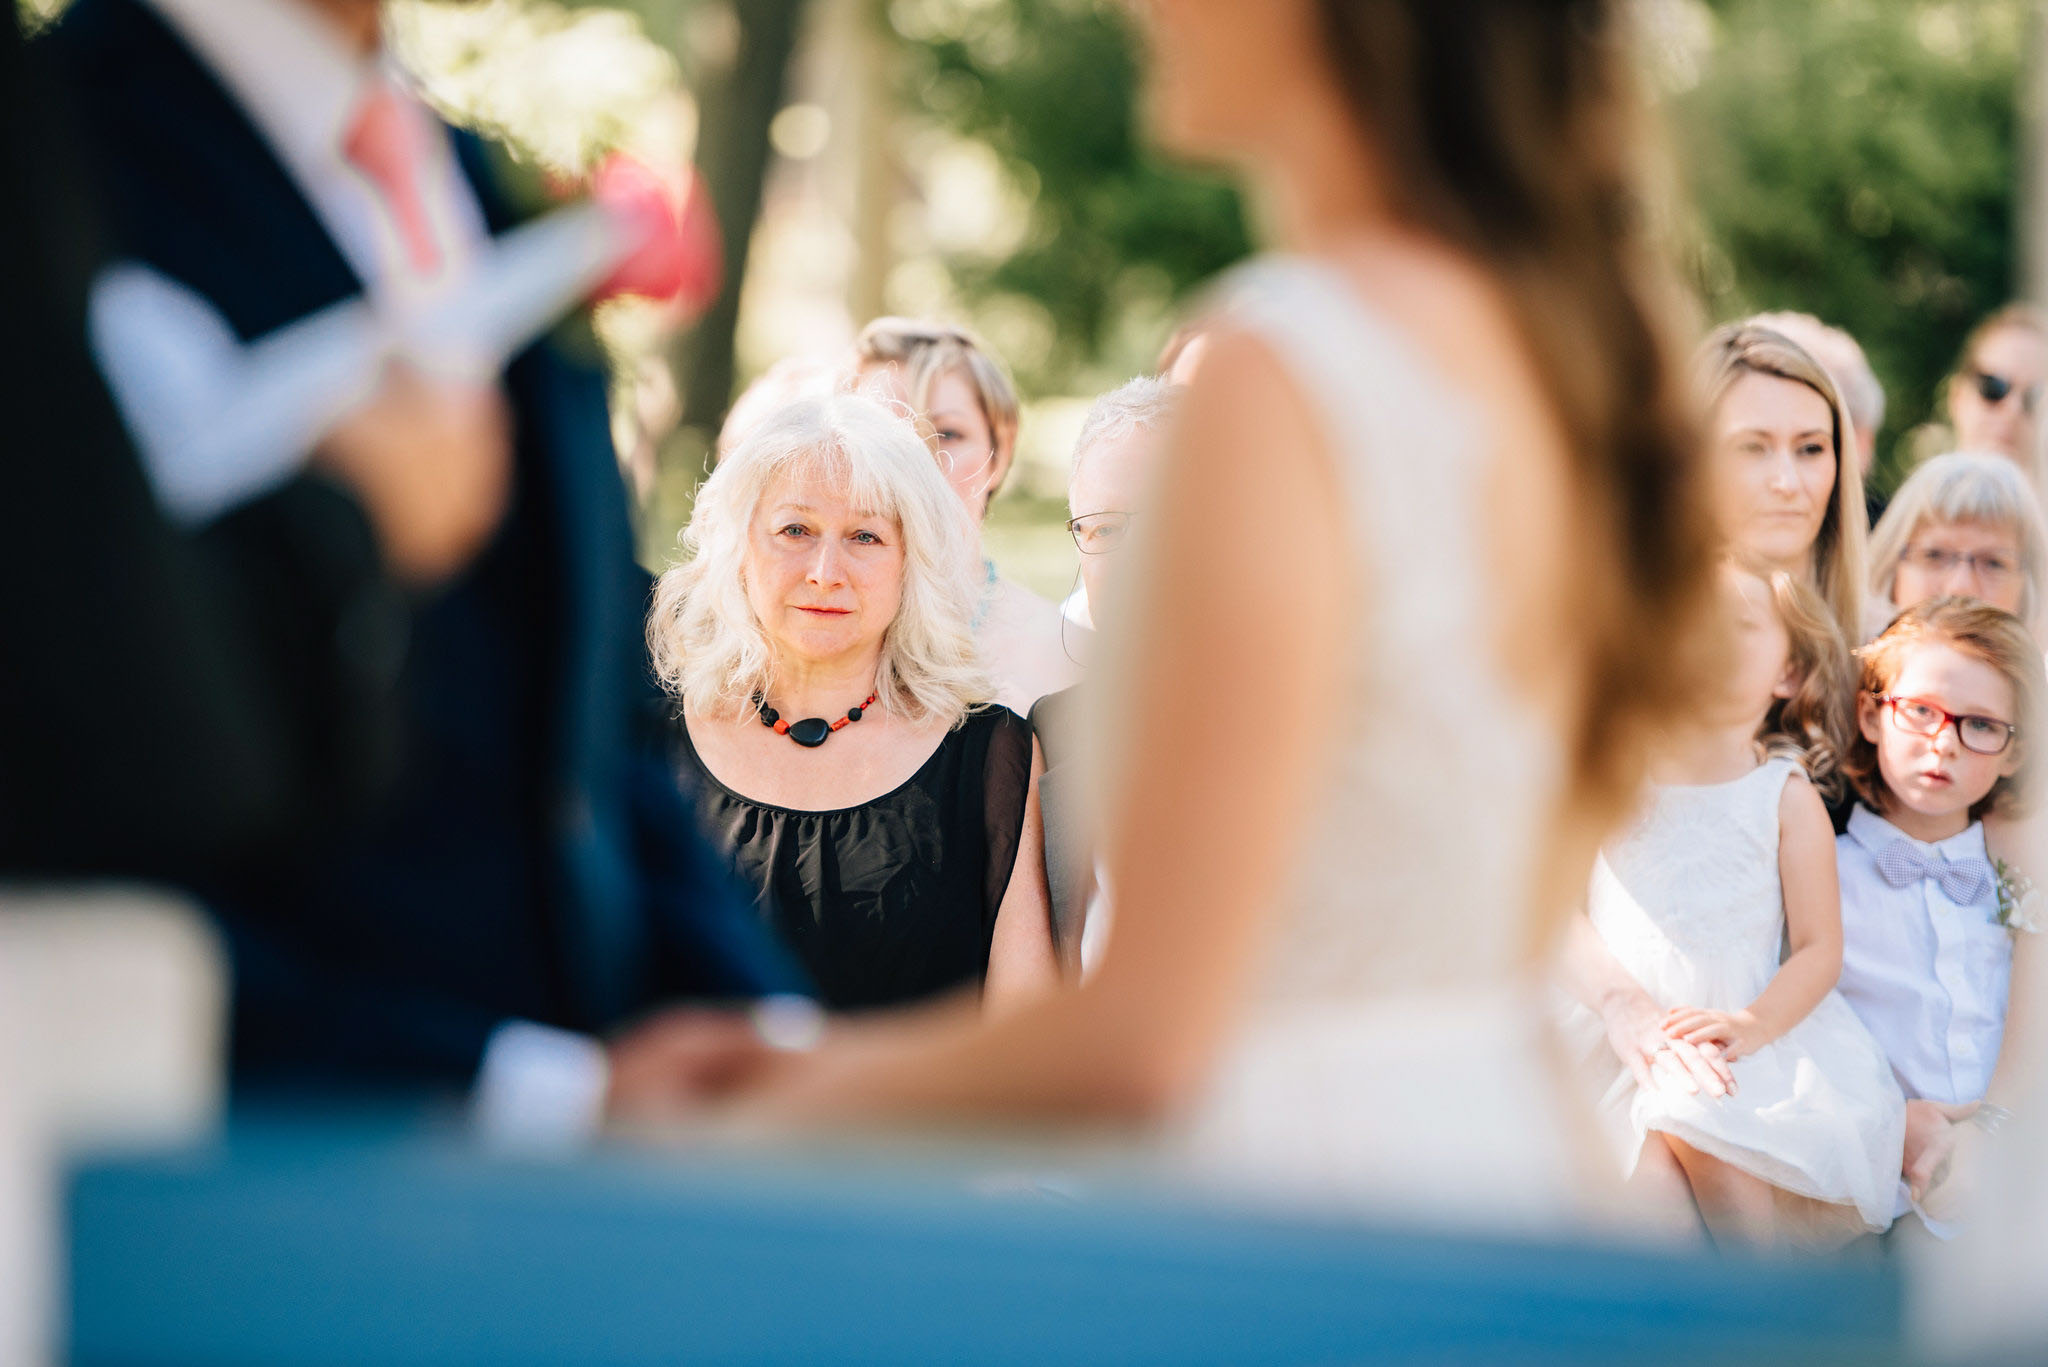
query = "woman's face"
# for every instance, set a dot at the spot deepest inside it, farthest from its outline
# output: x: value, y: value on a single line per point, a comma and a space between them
x: 966, y: 445
x: 1774, y: 469
x: 1994, y: 401
x: 1212, y: 67
x: 824, y: 578
x: 1974, y: 559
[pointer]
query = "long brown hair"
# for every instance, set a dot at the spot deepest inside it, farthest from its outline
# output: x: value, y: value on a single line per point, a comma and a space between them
x: 1815, y: 723
x: 1516, y: 132
x: 1734, y: 350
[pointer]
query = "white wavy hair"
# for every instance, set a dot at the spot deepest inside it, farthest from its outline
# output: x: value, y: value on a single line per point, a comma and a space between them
x: 1141, y: 405
x: 709, y: 649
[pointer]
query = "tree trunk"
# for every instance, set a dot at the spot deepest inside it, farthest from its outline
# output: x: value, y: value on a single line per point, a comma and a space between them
x: 737, y: 103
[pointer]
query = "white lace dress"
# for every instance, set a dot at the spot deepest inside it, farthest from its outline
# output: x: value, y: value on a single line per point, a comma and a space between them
x: 1690, y: 901
x: 1396, y: 1061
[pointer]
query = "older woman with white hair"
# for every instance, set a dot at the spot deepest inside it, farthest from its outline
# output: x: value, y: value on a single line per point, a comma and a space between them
x: 1964, y: 523
x: 835, y: 716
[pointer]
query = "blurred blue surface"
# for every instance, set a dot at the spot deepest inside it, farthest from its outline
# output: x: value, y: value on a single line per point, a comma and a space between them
x: 308, y: 1241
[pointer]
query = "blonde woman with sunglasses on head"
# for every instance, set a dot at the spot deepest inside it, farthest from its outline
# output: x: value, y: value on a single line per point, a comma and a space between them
x: 957, y: 389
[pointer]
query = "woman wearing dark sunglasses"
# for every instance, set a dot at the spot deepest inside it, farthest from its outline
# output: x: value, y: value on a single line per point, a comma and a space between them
x: 1995, y: 393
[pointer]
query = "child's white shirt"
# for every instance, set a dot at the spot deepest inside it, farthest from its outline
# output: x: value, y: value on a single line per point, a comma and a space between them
x: 1927, y: 975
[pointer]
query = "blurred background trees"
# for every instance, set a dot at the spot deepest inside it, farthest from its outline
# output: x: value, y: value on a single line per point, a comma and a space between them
x: 983, y: 159
x: 1860, y: 159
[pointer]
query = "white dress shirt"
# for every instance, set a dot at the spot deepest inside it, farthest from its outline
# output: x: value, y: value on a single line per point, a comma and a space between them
x: 300, y: 82
x: 1927, y: 976
x: 218, y: 422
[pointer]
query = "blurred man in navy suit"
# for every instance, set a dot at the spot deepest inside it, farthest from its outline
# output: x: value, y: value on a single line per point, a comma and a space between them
x: 179, y: 700
x: 538, y: 882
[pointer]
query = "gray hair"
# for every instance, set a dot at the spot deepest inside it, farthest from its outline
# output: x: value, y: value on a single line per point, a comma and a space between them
x: 1140, y: 405
x: 710, y: 650
x: 1962, y: 486
x: 1842, y: 354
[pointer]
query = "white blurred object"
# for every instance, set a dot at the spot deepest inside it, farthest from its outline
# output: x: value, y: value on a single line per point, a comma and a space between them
x: 111, y: 1033
x: 1984, y: 1295
x: 218, y: 422
x: 1074, y: 607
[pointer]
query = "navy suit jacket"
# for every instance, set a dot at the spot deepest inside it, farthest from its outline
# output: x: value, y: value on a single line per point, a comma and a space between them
x: 539, y: 860
x: 260, y: 721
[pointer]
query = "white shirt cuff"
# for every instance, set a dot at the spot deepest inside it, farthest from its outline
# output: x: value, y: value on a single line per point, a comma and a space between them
x: 540, y: 1090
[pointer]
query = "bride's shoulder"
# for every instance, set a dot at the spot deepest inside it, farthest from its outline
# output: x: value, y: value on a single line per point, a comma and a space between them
x: 1456, y: 309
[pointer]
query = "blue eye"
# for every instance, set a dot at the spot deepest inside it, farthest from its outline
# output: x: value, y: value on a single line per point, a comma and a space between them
x: 867, y: 538
x: 793, y: 529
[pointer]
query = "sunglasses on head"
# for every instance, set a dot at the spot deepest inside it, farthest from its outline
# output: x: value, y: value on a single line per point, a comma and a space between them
x: 1995, y: 389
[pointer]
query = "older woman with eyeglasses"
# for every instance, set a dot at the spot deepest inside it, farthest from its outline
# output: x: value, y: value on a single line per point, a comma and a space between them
x: 1995, y: 392
x: 837, y: 721
x: 1119, y: 443
x: 1965, y: 524
x: 954, y: 385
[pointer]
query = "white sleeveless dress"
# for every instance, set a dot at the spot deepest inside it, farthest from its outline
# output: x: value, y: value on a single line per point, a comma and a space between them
x: 1396, y: 1061
x: 1690, y: 902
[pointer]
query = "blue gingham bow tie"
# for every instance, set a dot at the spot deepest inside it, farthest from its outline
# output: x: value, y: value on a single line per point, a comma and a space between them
x: 1964, y: 880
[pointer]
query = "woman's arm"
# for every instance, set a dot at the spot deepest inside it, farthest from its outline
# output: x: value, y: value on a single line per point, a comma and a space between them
x: 1634, y: 1021
x: 1813, y: 933
x: 1246, y: 604
x: 2020, y: 845
x: 1022, y: 964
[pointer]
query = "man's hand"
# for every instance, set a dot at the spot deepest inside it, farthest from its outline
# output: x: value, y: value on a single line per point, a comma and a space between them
x: 431, y: 463
x: 681, y: 1059
x: 1936, y: 1156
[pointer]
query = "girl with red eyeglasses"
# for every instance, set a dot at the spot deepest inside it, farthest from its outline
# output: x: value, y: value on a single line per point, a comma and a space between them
x: 1936, y: 934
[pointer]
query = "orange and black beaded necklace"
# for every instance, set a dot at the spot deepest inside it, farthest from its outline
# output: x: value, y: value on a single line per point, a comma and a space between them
x: 811, y: 732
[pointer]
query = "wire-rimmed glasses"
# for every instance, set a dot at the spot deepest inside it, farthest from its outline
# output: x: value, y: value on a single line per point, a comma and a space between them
x: 1099, y: 533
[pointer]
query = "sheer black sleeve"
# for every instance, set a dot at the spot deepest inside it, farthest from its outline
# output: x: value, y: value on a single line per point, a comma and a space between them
x: 1006, y: 786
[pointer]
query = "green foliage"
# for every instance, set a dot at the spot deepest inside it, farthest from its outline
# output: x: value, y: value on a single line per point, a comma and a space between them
x: 1115, y: 234
x: 1856, y: 159
x: 1851, y: 158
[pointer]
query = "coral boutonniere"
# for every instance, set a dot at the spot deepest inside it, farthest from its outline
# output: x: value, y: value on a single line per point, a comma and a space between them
x: 2019, y: 901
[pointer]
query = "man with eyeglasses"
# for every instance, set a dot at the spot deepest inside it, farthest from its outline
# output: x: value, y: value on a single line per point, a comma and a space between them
x: 1995, y: 393
x: 1119, y: 442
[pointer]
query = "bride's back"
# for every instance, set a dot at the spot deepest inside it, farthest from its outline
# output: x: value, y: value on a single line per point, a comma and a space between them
x: 1458, y: 669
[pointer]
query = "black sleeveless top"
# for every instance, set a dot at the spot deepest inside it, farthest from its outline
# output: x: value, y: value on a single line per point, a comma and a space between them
x: 895, y: 899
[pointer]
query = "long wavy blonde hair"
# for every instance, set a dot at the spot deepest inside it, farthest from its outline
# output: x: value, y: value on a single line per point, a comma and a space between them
x: 709, y: 649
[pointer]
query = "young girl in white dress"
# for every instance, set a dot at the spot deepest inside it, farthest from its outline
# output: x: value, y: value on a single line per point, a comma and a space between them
x: 1720, y: 904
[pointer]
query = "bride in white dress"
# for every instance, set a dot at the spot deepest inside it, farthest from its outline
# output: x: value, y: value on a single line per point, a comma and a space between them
x: 1413, y: 590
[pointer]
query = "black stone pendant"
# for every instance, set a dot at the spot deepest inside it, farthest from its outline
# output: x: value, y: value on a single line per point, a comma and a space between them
x: 811, y: 732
